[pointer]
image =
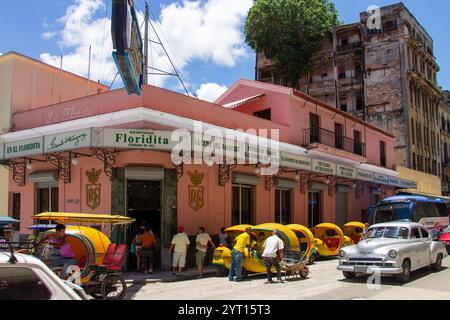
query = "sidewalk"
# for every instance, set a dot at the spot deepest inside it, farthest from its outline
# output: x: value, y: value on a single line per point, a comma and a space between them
x: 166, y: 276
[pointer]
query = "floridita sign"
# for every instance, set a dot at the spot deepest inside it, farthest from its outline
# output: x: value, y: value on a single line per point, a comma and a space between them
x: 146, y: 139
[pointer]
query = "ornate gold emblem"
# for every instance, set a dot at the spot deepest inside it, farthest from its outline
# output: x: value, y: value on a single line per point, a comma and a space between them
x: 93, y: 189
x: 196, y: 190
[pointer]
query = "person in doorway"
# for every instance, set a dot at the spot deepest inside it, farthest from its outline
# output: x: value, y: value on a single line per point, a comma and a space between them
x: 272, y: 254
x: 237, y: 255
x: 138, y: 248
x: 223, y: 238
x: 201, y: 242
x: 147, y: 242
x: 179, y: 247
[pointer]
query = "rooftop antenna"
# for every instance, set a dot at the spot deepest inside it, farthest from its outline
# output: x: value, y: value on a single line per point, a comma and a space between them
x: 89, y: 70
x: 146, y: 44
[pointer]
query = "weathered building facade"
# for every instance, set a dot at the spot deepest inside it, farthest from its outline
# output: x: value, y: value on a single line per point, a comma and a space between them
x: 444, y: 116
x: 384, y: 75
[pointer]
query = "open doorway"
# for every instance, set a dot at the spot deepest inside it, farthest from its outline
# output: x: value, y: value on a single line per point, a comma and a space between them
x: 144, y: 205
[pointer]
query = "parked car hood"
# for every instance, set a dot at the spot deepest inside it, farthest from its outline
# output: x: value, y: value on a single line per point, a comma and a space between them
x: 379, y: 244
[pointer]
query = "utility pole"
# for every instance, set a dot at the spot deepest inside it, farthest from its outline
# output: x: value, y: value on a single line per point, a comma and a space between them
x: 89, y: 70
x: 146, y: 44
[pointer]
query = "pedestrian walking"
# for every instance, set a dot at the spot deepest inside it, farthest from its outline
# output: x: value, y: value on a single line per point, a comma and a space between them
x: 224, y: 239
x: 237, y: 255
x: 146, y: 240
x: 272, y: 254
x: 179, y: 247
x: 136, y: 248
x: 201, y: 242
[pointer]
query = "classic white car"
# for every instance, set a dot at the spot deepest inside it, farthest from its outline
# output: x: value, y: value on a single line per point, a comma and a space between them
x: 395, y: 248
x: 28, y: 278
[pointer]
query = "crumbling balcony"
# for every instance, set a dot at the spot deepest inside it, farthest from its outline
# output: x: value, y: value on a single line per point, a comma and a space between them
x: 312, y: 137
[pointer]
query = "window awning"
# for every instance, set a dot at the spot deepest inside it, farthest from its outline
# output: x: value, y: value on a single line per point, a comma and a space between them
x: 242, y: 102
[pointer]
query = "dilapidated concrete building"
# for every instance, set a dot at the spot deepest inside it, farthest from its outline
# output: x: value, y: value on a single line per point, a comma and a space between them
x: 444, y: 115
x: 384, y: 73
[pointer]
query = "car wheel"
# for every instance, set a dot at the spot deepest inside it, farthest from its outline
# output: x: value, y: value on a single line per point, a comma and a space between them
x: 406, y: 273
x: 438, y: 264
x: 349, y: 275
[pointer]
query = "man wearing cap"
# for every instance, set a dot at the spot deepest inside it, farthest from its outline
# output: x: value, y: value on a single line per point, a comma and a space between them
x: 237, y: 255
x: 179, y: 247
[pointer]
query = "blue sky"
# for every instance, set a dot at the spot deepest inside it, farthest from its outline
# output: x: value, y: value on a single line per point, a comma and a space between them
x: 210, y: 50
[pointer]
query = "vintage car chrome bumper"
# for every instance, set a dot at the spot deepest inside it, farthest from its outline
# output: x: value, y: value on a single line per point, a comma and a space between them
x: 370, y: 269
x: 369, y: 265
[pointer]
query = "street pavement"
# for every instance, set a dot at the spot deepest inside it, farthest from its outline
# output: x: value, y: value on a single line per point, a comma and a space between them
x: 324, y: 282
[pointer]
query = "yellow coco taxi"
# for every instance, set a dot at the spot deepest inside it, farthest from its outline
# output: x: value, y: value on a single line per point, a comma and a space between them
x: 353, y: 232
x: 253, y: 263
x: 329, y: 239
x: 306, y: 241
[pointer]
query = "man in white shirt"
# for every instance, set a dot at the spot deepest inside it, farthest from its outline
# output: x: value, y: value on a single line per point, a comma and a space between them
x: 272, y: 254
x: 179, y: 247
x: 201, y: 242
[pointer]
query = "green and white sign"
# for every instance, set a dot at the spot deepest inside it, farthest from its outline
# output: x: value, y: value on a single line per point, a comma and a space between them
x: 294, y: 161
x: 2, y: 151
x: 24, y: 148
x: 364, y: 175
x: 395, y: 182
x: 323, y: 167
x: 346, y: 172
x: 135, y: 139
x: 381, y: 178
x: 67, y: 141
x: 408, y: 184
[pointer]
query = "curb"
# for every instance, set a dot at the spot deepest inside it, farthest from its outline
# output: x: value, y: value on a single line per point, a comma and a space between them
x: 176, y: 279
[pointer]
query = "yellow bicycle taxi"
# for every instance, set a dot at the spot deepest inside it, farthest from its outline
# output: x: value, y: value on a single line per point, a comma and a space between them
x: 306, y: 241
x: 329, y: 239
x: 353, y: 232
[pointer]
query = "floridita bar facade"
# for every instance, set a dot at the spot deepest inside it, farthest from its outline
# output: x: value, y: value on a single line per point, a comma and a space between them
x: 112, y: 154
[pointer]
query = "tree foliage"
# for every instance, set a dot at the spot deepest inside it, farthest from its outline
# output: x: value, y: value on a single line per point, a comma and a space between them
x: 289, y: 33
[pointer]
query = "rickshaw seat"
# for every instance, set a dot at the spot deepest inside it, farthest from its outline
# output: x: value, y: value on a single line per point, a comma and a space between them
x: 112, y: 247
x: 355, y: 238
x: 118, y: 258
x: 332, y: 242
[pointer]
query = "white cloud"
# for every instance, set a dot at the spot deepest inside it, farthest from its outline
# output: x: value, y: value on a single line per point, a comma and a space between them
x: 80, y: 31
x: 49, y: 34
x: 199, y: 30
x: 210, y: 91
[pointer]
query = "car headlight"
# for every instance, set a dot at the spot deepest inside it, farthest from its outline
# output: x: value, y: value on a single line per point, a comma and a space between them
x: 393, y: 254
x: 342, y: 254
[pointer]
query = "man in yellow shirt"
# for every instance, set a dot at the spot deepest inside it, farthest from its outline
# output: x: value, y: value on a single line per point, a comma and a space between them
x: 237, y: 255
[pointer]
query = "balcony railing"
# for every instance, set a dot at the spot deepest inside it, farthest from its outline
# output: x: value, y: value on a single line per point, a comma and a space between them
x: 329, y: 138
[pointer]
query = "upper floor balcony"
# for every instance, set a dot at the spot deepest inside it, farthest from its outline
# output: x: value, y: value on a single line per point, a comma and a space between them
x: 314, y: 136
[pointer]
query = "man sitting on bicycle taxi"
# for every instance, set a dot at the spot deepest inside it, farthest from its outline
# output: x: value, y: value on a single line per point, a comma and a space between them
x: 63, y: 250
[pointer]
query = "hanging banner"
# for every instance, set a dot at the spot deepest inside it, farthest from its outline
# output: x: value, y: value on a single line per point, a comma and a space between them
x: 408, y: 184
x: 24, y: 148
x: 323, y: 167
x: 364, y: 175
x: 346, y: 172
x: 132, y: 139
x: 395, y: 182
x: 381, y: 178
x: 294, y: 161
x: 67, y: 141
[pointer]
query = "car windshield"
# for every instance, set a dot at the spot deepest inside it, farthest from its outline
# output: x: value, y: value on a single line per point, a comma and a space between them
x: 387, y: 232
x: 391, y: 212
